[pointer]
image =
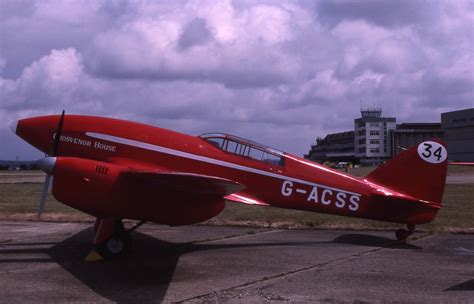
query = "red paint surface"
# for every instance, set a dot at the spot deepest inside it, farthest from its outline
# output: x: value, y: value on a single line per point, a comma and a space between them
x: 132, y: 182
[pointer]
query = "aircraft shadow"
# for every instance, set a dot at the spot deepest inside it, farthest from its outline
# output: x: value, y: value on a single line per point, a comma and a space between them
x: 465, y: 286
x: 145, y: 273
x: 373, y: 241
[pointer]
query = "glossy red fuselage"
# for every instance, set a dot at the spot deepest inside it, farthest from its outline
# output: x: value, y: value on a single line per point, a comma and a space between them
x: 97, y: 151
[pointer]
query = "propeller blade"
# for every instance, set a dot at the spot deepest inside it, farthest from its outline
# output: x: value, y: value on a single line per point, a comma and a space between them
x: 57, y: 138
x: 43, y: 194
x: 47, y: 164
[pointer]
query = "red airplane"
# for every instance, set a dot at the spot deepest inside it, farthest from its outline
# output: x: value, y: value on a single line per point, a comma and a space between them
x: 115, y: 169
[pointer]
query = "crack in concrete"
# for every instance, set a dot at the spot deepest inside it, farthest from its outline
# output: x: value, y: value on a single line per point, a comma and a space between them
x: 176, y: 247
x: 300, y: 270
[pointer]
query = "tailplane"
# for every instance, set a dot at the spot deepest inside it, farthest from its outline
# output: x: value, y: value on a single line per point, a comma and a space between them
x: 419, y: 172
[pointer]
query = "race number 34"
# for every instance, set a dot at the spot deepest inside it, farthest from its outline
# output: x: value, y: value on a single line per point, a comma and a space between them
x: 432, y: 152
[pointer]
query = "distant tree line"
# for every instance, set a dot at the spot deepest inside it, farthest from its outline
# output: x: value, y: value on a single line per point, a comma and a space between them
x: 21, y: 167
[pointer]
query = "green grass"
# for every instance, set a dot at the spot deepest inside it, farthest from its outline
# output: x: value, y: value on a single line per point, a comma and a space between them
x: 20, y: 201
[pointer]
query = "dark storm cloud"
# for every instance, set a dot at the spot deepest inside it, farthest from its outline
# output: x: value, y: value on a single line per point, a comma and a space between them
x: 19, y: 8
x: 194, y: 33
x: 385, y: 13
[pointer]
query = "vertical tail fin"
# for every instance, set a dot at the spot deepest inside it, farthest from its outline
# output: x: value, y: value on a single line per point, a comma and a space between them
x: 419, y: 172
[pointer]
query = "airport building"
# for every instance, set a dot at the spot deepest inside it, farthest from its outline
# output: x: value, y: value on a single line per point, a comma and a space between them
x: 459, y: 134
x: 409, y: 134
x: 335, y: 147
x: 376, y: 139
x: 371, y: 138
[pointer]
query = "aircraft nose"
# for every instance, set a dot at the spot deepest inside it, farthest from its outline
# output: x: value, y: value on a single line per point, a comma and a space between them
x: 47, y: 164
x: 13, y: 126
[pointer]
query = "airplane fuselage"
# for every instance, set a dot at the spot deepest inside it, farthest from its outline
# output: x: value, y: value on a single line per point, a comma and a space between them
x: 107, y: 147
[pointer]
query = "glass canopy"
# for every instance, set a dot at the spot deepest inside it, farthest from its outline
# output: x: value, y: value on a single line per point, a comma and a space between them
x: 244, y: 147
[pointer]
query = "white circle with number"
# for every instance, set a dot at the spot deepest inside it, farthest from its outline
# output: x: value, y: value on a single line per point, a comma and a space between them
x: 432, y: 152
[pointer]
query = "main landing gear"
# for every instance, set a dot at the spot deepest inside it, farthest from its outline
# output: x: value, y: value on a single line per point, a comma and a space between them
x: 111, y: 239
x: 403, y: 234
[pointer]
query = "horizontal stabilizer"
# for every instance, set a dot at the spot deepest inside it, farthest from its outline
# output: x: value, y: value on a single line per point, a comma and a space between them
x: 244, y: 199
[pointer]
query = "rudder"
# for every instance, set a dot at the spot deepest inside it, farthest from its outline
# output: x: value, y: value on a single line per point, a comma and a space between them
x: 419, y: 172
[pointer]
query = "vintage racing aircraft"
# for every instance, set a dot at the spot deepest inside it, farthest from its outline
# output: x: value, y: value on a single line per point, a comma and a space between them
x: 115, y: 169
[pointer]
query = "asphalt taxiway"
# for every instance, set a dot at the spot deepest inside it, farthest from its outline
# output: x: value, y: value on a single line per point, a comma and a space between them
x: 44, y: 262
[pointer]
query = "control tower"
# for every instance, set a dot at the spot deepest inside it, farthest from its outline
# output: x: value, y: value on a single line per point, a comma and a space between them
x: 372, y: 136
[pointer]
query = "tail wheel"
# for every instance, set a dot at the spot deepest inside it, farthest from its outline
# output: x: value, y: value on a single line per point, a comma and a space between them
x: 402, y: 234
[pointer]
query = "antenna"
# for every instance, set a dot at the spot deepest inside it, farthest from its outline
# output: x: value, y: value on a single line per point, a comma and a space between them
x: 371, y: 111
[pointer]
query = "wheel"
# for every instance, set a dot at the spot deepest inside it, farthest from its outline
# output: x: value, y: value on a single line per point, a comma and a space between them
x: 402, y: 234
x: 115, y: 246
x: 119, y: 244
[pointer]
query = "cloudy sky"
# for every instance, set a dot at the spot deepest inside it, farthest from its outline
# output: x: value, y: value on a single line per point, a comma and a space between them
x: 278, y: 72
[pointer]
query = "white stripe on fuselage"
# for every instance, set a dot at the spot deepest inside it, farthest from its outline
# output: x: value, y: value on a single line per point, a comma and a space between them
x: 151, y: 147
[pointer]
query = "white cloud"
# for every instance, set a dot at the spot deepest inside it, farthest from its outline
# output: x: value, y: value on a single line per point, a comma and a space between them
x: 52, y: 79
x: 246, y: 49
x: 67, y: 11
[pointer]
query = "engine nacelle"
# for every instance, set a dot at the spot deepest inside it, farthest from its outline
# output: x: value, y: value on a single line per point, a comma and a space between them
x: 106, y: 190
x: 86, y: 185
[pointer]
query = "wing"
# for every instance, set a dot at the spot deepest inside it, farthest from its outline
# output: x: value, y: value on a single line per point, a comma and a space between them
x: 188, y: 183
x: 198, y: 185
x: 171, y: 198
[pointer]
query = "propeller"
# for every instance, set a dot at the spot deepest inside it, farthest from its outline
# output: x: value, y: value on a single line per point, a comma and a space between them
x: 47, y: 164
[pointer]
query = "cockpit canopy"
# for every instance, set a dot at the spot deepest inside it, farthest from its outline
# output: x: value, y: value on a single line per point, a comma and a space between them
x: 244, y: 147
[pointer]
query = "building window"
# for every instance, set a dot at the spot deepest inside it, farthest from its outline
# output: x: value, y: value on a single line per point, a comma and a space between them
x: 361, y: 150
x: 374, y: 150
x: 361, y: 133
x: 361, y: 141
x: 374, y: 132
x: 361, y: 124
x: 374, y: 124
x: 374, y: 141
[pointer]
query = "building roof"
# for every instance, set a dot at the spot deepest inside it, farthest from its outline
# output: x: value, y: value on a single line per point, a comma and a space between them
x: 339, y: 135
x: 419, y: 125
x: 376, y: 119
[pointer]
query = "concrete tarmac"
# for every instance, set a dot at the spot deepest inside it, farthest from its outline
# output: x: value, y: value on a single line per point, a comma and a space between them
x: 43, y: 262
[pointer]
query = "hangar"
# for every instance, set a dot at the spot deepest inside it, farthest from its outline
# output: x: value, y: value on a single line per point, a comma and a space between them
x: 459, y: 134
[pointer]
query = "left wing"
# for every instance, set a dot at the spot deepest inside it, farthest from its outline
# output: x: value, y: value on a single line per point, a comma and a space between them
x: 171, y: 198
x: 195, y: 184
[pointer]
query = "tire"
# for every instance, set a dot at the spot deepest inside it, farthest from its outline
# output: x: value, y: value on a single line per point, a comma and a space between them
x: 402, y: 234
x: 115, y: 246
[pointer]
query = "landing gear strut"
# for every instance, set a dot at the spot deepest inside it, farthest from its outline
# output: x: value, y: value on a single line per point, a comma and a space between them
x: 403, y: 234
x: 111, y: 239
x: 118, y: 243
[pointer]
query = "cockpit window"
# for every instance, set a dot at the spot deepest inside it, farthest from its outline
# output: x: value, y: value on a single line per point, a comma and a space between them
x: 216, y: 141
x: 244, y: 147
